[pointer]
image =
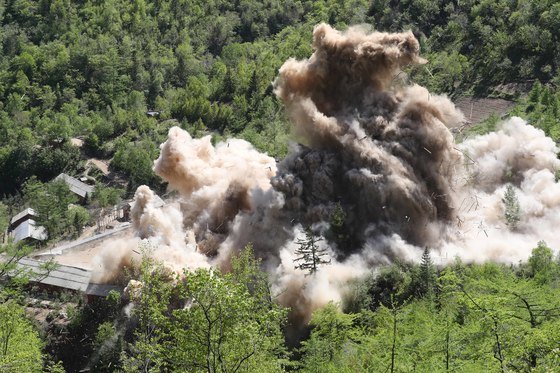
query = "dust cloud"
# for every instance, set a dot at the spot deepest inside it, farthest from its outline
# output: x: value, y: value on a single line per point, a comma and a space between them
x: 376, y: 173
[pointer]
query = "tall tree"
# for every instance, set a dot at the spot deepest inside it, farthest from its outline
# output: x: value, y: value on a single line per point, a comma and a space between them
x: 309, y: 255
x: 512, y: 210
x: 427, y: 275
x: 50, y: 201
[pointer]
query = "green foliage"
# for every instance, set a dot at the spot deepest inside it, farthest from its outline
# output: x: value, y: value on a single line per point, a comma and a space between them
x: 512, y: 210
x: 542, y: 266
x: 108, y: 345
x: 205, y: 321
x: 4, y: 218
x: 332, y: 333
x: 427, y: 275
x: 246, y: 271
x: 50, y: 201
x: 541, y: 108
x: 483, y: 318
x: 78, y: 217
x: 11, y: 275
x: 93, y: 69
x: 106, y: 196
x: 486, y: 126
x: 20, y: 345
x: 136, y: 161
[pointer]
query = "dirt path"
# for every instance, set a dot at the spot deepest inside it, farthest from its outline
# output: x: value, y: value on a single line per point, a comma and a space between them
x: 101, y: 164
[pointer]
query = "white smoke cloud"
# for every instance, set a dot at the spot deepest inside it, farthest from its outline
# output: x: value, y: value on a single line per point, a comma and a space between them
x: 519, y: 154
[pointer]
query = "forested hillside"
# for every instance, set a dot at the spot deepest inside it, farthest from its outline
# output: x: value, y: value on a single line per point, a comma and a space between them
x: 94, y: 69
x: 107, y: 80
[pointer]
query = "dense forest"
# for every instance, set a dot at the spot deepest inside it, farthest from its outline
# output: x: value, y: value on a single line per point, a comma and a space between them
x: 465, y: 317
x: 117, y: 74
x: 94, y: 69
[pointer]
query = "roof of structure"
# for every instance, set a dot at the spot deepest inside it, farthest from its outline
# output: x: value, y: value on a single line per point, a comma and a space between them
x: 27, y: 212
x: 29, y: 229
x: 65, y: 277
x: 62, y: 276
x: 76, y: 186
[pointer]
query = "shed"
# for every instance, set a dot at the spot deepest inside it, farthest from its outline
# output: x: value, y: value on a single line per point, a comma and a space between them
x: 29, y: 229
x: 28, y: 213
x: 82, y: 190
x: 65, y: 277
x: 23, y: 227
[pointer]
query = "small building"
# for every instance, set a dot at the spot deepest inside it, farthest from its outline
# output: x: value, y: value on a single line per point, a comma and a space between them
x: 66, y: 278
x: 62, y: 277
x: 29, y: 231
x: 26, y: 214
x: 24, y: 227
x: 82, y: 190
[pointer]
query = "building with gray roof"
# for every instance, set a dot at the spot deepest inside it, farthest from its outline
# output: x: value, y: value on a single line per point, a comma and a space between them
x: 24, y: 227
x: 29, y: 229
x: 82, y: 190
x: 65, y: 277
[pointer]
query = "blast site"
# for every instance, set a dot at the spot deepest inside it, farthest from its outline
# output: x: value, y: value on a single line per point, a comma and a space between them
x: 380, y: 173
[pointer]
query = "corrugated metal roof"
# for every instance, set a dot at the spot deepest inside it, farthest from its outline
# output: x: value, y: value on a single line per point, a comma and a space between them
x: 24, y: 213
x: 66, y: 277
x: 29, y: 229
x: 75, y: 185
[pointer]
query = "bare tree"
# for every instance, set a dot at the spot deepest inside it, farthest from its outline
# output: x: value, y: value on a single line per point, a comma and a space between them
x: 309, y: 255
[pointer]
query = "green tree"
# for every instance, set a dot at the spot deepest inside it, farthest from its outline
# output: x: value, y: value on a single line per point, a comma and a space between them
x: 4, y: 219
x: 20, y: 345
x: 108, y: 345
x: 107, y: 196
x: 50, y: 201
x: 427, y: 275
x: 207, y: 321
x: 136, y: 161
x: 331, y: 332
x: 78, y: 217
x: 512, y: 210
x: 541, y: 263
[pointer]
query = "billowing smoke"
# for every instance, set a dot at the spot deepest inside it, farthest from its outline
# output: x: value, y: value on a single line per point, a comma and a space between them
x: 519, y: 155
x: 376, y: 174
x: 159, y: 233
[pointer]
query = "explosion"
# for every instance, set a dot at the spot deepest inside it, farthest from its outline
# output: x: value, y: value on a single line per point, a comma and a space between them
x: 377, y: 154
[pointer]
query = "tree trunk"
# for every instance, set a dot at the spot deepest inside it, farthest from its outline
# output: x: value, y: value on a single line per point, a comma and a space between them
x: 393, y: 348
